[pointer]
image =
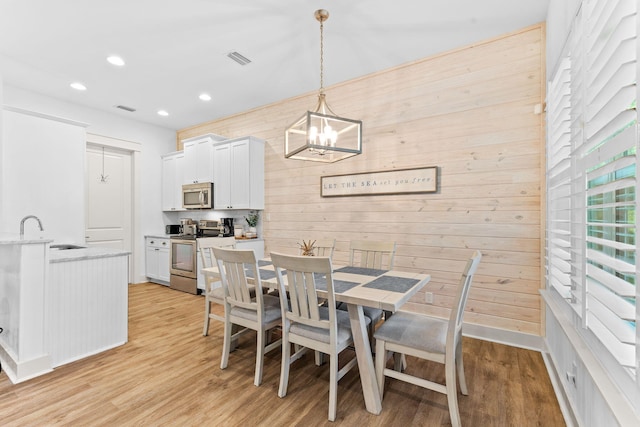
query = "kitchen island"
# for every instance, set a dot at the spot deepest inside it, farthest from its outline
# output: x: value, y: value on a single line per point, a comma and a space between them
x: 57, y: 306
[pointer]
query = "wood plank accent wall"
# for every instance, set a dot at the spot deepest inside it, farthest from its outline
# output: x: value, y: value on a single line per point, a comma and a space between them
x: 471, y: 113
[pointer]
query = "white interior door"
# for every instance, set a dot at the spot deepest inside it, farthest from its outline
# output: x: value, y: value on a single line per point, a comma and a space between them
x: 109, y: 197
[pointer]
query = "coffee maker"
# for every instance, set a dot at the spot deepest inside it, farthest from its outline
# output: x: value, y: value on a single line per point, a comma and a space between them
x: 227, y: 227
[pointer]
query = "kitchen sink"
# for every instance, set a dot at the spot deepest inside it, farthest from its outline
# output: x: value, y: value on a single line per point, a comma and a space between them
x: 64, y: 247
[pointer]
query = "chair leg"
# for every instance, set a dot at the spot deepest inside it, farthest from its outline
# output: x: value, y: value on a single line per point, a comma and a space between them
x: 333, y: 386
x: 319, y: 356
x: 370, y: 331
x: 460, y: 365
x: 284, y: 366
x: 226, y: 344
x: 399, y: 362
x: 452, y: 394
x: 381, y: 361
x: 261, y: 335
x: 207, y: 311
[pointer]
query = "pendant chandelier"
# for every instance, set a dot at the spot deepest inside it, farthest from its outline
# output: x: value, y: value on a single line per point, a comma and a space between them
x: 320, y: 135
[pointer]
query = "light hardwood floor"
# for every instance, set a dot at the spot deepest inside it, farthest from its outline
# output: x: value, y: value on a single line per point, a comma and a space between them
x: 169, y: 374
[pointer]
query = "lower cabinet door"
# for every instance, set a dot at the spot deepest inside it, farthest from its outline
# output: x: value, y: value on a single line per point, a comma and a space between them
x: 163, y: 264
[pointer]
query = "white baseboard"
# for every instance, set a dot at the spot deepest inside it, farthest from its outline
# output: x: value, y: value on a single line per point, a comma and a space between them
x: 563, y: 401
x: 501, y: 336
x: 19, y: 371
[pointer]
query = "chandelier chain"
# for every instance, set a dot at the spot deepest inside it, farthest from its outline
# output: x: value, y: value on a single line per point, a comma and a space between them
x: 321, y: 57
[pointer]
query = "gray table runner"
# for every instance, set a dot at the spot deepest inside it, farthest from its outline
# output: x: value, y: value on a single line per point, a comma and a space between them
x: 264, y: 274
x: 339, y: 286
x: 392, y: 283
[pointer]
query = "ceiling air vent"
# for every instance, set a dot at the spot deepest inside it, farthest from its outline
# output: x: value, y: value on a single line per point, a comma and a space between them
x: 239, y: 58
x: 125, y: 108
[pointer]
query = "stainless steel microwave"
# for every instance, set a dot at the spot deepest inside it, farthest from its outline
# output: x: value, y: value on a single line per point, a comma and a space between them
x: 197, y: 196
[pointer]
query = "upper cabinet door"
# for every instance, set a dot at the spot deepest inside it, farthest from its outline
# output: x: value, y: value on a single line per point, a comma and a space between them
x: 239, y: 174
x: 241, y: 190
x: 172, y: 177
x: 198, y: 158
x: 222, y: 176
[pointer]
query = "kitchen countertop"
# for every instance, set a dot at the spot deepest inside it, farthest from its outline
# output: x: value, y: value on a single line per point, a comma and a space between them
x: 14, y: 239
x: 160, y: 236
x: 56, y: 255
x: 168, y: 236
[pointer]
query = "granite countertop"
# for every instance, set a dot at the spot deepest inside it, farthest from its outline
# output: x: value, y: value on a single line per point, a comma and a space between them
x: 56, y: 255
x: 14, y: 239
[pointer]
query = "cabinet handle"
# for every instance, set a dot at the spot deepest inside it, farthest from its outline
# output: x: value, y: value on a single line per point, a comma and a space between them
x: 157, y: 249
x: 152, y: 242
x: 164, y: 243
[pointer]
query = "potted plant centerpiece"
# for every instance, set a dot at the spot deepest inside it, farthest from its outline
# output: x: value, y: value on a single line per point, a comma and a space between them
x: 307, y: 248
x: 252, y: 221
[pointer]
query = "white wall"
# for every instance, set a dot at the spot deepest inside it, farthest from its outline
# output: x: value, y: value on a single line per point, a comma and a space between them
x: 43, y: 175
x: 155, y: 142
x: 1, y: 127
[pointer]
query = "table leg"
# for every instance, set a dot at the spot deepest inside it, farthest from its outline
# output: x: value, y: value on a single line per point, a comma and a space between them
x: 370, y: 390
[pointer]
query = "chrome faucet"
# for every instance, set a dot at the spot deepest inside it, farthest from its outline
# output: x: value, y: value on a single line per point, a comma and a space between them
x: 26, y: 218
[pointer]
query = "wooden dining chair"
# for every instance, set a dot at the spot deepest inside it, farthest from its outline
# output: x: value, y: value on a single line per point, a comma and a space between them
x: 322, y: 247
x: 213, y: 291
x: 259, y: 312
x: 371, y: 254
x: 308, y: 325
x: 430, y: 338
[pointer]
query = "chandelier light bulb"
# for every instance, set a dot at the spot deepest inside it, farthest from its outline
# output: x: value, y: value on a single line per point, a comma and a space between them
x: 313, y: 133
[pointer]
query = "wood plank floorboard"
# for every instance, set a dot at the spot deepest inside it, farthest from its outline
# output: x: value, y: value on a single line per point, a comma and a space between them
x: 168, y: 374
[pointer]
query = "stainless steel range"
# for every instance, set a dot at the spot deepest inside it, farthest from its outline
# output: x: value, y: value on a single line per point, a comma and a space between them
x: 184, y: 266
x: 183, y: 253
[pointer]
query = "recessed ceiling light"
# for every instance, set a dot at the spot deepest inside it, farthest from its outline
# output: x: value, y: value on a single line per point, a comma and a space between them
x: 162, y: 113
x: 115, y: 60
x: 78, y: 86
x: 205, y: 97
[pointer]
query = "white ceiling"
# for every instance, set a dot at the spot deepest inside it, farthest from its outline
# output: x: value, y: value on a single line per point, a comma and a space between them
x: 176, y: 49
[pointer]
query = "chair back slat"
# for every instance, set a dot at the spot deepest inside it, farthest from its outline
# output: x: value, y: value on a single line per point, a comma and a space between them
x: 206, y: 245
x: 297, y: 275
x: 232, y: 264
x: 370, y: 254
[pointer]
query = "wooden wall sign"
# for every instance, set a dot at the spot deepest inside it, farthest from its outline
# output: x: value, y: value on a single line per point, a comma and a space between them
x: 397, y: 181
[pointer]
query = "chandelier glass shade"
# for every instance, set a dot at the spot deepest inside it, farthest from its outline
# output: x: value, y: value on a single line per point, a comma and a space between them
x: 321, y: 135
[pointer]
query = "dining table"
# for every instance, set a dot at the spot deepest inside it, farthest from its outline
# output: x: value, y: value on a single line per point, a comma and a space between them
x: 357, y: 287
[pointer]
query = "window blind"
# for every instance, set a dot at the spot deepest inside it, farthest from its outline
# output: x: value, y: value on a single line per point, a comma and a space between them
x: 591, y: 175
x: 558, y: 244
x: 609, y: 154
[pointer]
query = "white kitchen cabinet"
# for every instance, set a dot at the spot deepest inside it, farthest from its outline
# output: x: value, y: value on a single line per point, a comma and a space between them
x: 256, y: 244
x: 198, y: 158
x: 172, y: 177
x: 157, y: 259
x: 238, y: 174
